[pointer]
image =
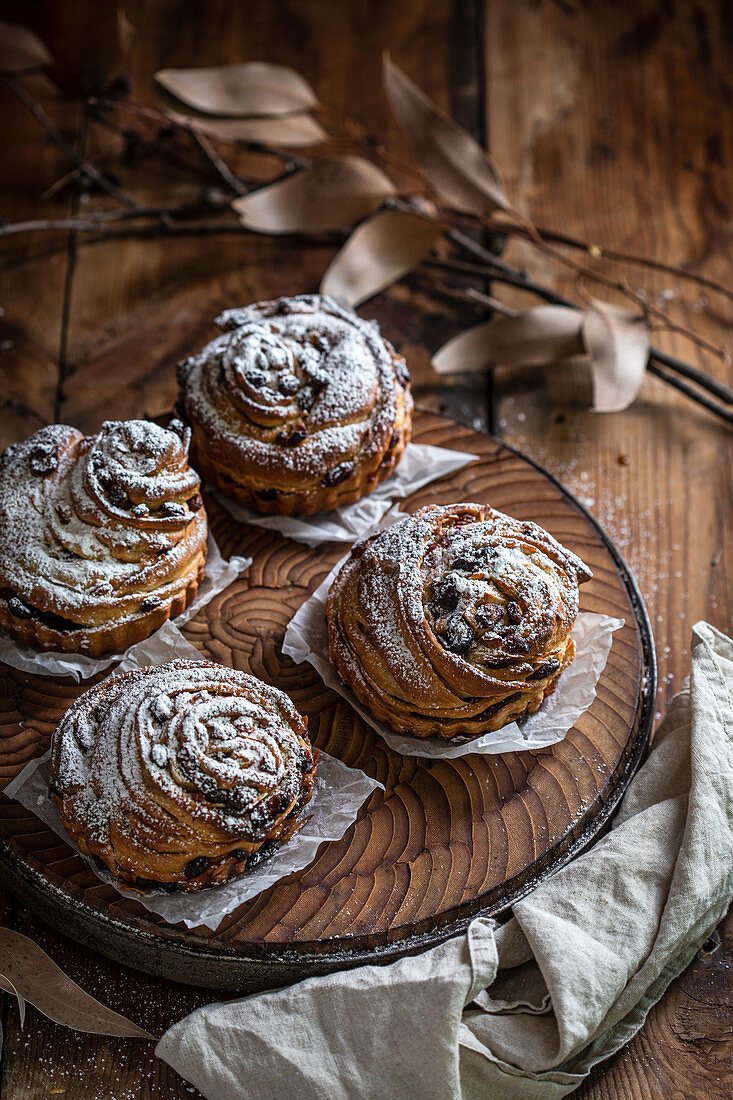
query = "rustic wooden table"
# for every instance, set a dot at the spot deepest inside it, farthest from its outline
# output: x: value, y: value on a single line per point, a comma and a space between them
x: 608, y: 121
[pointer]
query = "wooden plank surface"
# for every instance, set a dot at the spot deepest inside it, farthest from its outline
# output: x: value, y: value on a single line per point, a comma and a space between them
x: 607, y: 120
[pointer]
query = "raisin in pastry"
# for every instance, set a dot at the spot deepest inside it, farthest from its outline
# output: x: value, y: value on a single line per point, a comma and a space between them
x: 182, y: 775
x: 102, y: 538
x: 454, y: 621
x: 299, y: 406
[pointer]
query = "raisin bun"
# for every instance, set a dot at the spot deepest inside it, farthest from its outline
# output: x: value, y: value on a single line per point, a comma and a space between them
x: 299, y: 406
x: 454, y: 621
x: 102, y: 537
x: 182, y: 775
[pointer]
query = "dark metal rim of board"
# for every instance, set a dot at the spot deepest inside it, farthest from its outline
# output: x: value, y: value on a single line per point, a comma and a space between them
x: 268, y: 966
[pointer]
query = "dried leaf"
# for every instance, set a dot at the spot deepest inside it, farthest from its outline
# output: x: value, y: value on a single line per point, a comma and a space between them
x: 38, y: 84
x: 543, y: 334
x: 292, y: 131
x: 617, y: 342
x: 240, y: 91
x: 333, y: 193
x: 461, y: 171
x: 8, y: 986
x: 34, y: 977
x: 378, y: 253
x: 21, y: 49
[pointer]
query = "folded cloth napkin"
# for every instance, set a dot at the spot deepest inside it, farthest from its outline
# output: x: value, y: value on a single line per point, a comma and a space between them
x: 527, y: 1008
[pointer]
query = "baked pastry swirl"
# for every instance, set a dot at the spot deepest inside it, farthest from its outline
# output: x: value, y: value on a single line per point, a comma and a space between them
x: 299, y: 406
x: 102, y: 538
x: 454, y: 621
x: 182, y: 775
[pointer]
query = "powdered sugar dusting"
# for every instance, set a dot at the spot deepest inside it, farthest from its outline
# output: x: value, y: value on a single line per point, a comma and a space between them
x: 293, y: 389
x: 91, y: 526
x: 174, y: 759
x: 456, y: 614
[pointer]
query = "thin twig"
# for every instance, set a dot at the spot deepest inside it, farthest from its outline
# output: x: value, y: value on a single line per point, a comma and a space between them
x: 162, y: 119
x: 60, y: 140
x: 151, y: 223
x: 67, y: 177
x: 474, y: 297
x: 500, y: 272
x: 219, y: 163
x: 594, y: 250
x: 99, y: 221
x: 658, y: 360
x: 671, y: 379
x: 640, y: 300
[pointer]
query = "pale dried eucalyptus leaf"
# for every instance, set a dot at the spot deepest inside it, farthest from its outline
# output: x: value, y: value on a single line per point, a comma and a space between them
x: 543, y: 334
x: 21, y: 49
x: 239, y: 91
x: 290, y: 132
x: 378, y: 253
x: 7, y: 985
x: 36, y: 978
x: 329, y: 194
x: 461, y: 171
x: 617, y: 342
x: 38, y: 84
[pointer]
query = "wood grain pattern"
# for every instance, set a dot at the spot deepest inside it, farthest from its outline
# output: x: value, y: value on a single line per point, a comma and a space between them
x: 445, y: 840
x: 608, y: 127
x: 606, y: 120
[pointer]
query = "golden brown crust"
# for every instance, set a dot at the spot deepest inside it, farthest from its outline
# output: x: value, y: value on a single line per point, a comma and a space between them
x: 98, y: 641
x: 181, y: 776
x: 300, y: 406
x: 102, y: 538
x: 455, y: 621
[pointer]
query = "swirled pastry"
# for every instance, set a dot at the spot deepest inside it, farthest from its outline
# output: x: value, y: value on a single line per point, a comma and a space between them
x: 454, y: 621
x: 102, y: 538
x: 182, y: 775
x: 299, y: 406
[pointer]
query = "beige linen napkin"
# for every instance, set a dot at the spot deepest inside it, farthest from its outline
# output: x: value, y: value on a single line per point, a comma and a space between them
x: 525, y: 1009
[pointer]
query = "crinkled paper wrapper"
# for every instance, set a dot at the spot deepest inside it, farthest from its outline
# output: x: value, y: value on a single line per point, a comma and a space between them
x: 306, y: 639
x: 338, y: 794
x: 218, y: 575
x: 419, y: 465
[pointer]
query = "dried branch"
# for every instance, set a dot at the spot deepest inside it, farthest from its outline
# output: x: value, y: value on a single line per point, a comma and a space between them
x: 290, y: 161
x: 472, y: 296
x: 191, y: 219
x: 60, y: 140
x: 596, y: 251
x: 220, y: 164
x: 658, y: 360
x: 68, y: 177
x: 500, y: 272
x: 613, y: 284
x: 671, y: 379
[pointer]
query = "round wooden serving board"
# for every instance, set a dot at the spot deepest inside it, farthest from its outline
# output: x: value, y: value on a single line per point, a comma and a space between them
x: 446, y: 840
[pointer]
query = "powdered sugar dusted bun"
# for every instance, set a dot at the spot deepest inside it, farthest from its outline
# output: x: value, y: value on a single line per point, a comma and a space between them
x: 181, y: 775
x: 454, y: 621
x: 102, y: 538
x: 299, y: 406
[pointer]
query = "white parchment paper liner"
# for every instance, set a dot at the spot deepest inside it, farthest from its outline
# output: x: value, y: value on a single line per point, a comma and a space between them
x: 306, y: 639
x: 419, y: 465
x: 338, y: 793
x: 218, y: 575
